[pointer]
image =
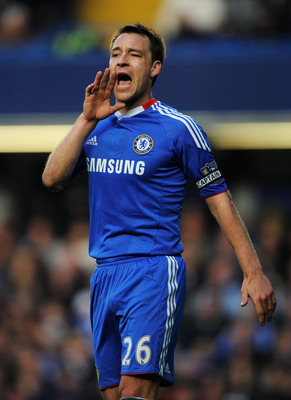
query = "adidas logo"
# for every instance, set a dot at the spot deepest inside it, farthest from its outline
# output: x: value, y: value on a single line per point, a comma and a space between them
x: 92, y: 141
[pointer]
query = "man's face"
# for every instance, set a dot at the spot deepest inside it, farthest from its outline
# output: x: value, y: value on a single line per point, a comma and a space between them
x: 131, y: 59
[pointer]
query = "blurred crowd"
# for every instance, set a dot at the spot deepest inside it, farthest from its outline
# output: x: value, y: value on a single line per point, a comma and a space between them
x: 23, y: 19
x: 223, y: 353
x: 194, y: 18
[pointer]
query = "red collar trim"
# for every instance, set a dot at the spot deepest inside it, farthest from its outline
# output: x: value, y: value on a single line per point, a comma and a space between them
x: 149, y: 103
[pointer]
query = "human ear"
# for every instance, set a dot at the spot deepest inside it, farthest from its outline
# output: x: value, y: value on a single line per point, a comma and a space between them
x: 156, y: 68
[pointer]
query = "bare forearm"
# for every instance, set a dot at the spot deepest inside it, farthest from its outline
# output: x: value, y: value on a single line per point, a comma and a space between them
x: 235, y: 231
x: 255, y: 284
x: 62, y: 161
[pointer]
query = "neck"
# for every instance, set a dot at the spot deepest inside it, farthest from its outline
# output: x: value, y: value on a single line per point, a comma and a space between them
x: 133, y: 103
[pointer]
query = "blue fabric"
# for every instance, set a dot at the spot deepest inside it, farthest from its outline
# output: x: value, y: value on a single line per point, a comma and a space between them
x: 136, y: 312
x: 138, y: 165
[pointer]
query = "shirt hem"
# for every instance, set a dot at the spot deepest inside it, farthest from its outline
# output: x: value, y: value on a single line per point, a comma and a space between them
x: 125, y: 258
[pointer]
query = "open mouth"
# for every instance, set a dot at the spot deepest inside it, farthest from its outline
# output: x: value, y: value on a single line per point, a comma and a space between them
x: 123, y: 79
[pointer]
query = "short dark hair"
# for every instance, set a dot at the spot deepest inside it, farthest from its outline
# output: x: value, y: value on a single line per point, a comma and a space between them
x: 157, y: 43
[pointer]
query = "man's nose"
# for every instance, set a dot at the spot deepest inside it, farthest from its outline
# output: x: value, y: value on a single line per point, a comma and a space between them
x: 122, y: 60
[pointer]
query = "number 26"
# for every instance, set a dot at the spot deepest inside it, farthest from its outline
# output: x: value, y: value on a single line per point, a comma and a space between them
x: 142, y: 350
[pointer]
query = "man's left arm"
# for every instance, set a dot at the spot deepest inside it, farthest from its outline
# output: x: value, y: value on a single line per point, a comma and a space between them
x: 255, y: 284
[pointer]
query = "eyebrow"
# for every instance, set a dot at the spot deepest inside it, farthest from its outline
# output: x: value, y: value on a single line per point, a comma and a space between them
x: 130, y: 50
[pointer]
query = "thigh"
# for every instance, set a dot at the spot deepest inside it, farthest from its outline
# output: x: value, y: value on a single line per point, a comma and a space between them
x: 136, y: 312
x: 105, y: 329
x: 150, y: 318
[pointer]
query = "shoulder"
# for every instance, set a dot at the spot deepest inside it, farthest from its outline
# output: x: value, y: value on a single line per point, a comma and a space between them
x: 171, y: 117
x: 181, y: 126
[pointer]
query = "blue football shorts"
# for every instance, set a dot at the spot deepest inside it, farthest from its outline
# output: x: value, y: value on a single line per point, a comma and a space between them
x: 136, y: 312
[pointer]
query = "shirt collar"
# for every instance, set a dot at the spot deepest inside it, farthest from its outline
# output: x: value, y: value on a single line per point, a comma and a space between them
x: 135, y: 110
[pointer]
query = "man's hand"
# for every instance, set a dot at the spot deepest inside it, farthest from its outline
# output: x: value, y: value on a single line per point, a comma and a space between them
x: 98, y: 95
x: 259, y: 289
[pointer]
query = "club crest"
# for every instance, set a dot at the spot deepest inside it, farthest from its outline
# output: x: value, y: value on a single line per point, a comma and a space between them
x: 143, y: 144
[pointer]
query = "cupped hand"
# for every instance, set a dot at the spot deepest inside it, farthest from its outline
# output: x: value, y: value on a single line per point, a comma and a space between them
x: 98, y: 96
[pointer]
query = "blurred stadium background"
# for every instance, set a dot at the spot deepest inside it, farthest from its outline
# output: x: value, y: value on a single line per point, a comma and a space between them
x: 228, y: 65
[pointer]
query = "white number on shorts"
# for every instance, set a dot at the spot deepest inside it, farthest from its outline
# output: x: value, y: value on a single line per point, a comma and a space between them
x: 126, y: 360
x: 142, y: 351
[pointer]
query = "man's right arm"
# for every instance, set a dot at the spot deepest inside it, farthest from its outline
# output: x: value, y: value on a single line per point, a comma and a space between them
x: 62, y: 161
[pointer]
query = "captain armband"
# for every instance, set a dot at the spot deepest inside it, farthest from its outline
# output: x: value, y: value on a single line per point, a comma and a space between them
x: 209, y: 179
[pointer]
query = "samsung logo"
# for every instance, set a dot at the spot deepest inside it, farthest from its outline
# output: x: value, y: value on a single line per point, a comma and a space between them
x: 111, y: 166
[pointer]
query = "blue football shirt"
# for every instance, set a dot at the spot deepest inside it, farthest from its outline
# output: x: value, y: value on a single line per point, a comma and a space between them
x: 138, y: 164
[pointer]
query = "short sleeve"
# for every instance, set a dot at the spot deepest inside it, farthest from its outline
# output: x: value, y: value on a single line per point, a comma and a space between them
x: 195, y: 157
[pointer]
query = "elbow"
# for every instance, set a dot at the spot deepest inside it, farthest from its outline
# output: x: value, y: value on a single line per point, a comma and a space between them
x: 51, y: 183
